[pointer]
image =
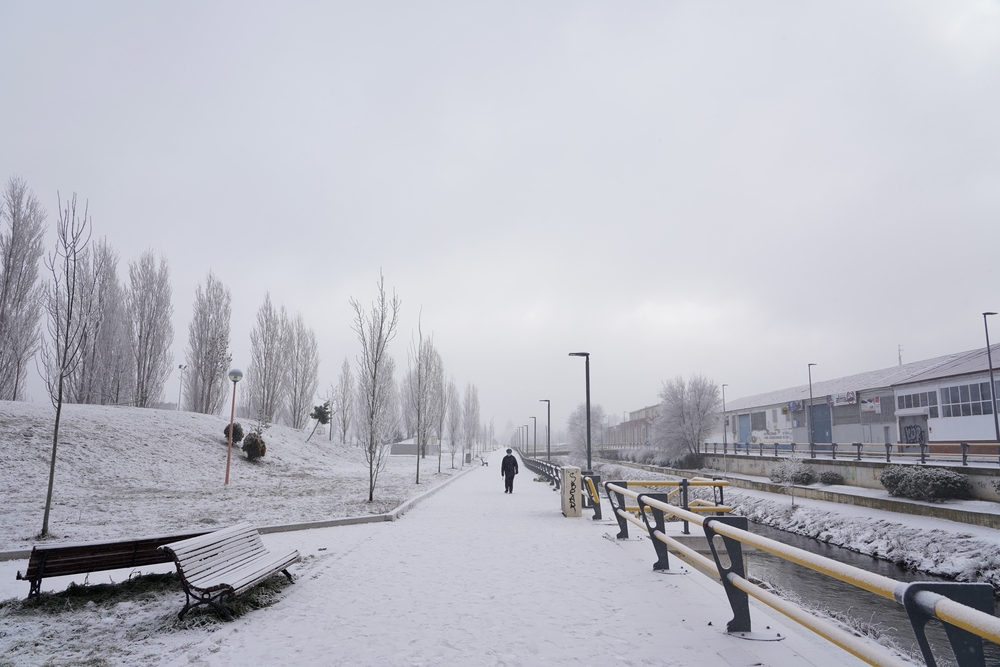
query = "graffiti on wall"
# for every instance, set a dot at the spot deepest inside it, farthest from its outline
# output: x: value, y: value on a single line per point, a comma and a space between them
x: 913, y: 434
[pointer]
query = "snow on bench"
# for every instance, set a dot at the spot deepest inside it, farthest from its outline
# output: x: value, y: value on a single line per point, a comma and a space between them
x: 223, y: 564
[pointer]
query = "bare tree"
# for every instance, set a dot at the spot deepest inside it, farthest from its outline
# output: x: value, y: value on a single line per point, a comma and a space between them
x: 21, y: 236
x: 344, y: 401
x: 303, y: 371
x: 420, y: 391
x: 688, y: 414
x: 207, y: 355
x: 376, y: 395
x: 66, y: 304
x: 106, y: 363
x: 454, y: 418
x: 470, y: 418
x: 437, y: 406
x: 267, y: 372
x: 577, y: 427
x: 149, y: 311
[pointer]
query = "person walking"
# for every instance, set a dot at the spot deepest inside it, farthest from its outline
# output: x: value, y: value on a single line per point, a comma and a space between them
x: 507, y: 470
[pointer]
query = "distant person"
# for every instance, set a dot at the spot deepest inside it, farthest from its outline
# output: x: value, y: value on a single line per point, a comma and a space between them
x: 507, y: 470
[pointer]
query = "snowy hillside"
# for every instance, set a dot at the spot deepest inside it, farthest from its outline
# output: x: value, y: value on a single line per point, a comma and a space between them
x: 130, y: 472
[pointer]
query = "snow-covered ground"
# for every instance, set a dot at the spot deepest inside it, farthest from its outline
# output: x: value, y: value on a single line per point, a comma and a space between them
x: 471, y: 576
x: 128, y: 472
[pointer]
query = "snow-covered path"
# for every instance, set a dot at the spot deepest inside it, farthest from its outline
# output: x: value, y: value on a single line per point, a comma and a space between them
x: 473, y: 576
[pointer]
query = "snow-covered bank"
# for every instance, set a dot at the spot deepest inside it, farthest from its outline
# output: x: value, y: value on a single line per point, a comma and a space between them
x: 127, y: 472
x: 944, y: 548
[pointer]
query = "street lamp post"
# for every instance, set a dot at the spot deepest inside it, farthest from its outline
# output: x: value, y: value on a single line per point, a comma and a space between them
x: 534, y: 450
x: 809, y: 415
x: 548, y: 419
x: 182, y: 368
x: 993, y: 386
x: 725, y: 420
x: 586, y: 356
x: 235, y: 375
x: 525, y: 427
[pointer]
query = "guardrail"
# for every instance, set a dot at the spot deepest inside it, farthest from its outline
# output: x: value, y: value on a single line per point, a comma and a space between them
x: 549, y: 470
x: 861, y: 450
x: 966, y: 610
x: 623, y: 513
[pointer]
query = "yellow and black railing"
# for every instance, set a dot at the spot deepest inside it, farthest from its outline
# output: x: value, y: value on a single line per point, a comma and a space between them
x: 966, y: 610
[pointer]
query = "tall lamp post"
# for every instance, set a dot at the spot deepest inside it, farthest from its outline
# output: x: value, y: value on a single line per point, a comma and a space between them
x: 235, y: 375
x: 548, y: 420
x: 181, y: 368
x: 586, y: 356
x: 525, y: 427
x: 725, y: 420
x: 809, y: 416
x: 993, y: 386
x: 534, y: 450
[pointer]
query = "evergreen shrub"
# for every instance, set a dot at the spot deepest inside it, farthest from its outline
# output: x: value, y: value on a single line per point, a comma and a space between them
x: 237, y: 432
x: 831, y: 477
x: 254, y: 446
x: 921, y: 483
x: 792, y: 471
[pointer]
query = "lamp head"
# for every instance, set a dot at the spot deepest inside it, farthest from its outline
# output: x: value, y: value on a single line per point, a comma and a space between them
x: 985, y: 314
x: 579, y: 354
x: 235, y: 375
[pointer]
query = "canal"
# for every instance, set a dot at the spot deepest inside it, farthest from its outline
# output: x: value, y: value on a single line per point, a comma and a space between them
x: 824, y: 592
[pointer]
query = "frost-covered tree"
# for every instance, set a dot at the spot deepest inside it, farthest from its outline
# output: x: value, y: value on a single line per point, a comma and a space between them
x: 689, y: 412
x: 104, y: 373
x: 453, y: 419
x: 421, y: 391
x: 577, y: 427
x: 150, y: 332
x: 344, y: 401
x: 438, y: 403
x: 303, y: 371
x: 66, y: 303
x: 377, y: 396
x: 267, y: 372
x: 470, y: 418
x: 22, y: 228
x: 206, y: 384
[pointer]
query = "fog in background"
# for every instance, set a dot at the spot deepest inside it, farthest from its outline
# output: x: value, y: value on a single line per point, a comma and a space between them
x: 733, y: 189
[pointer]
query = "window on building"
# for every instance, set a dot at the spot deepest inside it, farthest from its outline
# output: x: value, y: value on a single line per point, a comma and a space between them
x: 758, y: 421
x: 966, y: 400
x: 924, y: 399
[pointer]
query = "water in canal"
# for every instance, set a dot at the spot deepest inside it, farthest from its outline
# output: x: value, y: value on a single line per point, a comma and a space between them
x: 834, y: 595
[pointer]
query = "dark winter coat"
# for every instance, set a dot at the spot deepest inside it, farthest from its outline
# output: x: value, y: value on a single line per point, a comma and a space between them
x: 509, y: 465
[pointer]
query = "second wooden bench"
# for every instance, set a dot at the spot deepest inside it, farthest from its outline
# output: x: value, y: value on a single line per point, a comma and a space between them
x: 222, y: 564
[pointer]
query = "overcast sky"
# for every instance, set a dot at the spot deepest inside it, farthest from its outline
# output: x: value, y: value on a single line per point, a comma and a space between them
x: 728, y: 188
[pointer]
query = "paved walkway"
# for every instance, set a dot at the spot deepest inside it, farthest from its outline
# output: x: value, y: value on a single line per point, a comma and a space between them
x: 473, y: 576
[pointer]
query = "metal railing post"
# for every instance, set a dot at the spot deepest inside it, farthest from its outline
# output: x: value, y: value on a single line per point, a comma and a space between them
x: 617, y: 500
x: 965, y: 453
x: 888, y: 450
x: 833, y: 449
x: 684, y: 503
x: 858, y: 446
x: 662, y: 555
x: 738, y: 600
x: 919, y: 600
x: 923, y: 453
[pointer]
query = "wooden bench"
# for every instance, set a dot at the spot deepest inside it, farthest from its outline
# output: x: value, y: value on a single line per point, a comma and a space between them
x: 223, y: 564
x: 66, y: 559
x: 484, y: 461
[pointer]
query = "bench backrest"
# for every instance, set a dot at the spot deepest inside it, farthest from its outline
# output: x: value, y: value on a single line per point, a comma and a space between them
x: 223, y: 549
x: 58, y: 560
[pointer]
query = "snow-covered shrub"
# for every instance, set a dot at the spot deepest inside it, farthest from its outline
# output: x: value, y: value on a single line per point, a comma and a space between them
x: 792, y: 471
x: 254, y: 446
x: 237, y: 432
x: 689, y: 461
x: 831, y: 477
x: 996, y: 485
x: 925, y: 483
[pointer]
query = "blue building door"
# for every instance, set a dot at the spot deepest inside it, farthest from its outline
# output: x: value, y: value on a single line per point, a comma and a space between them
x: 744, y: 423
x: 822, y: 426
